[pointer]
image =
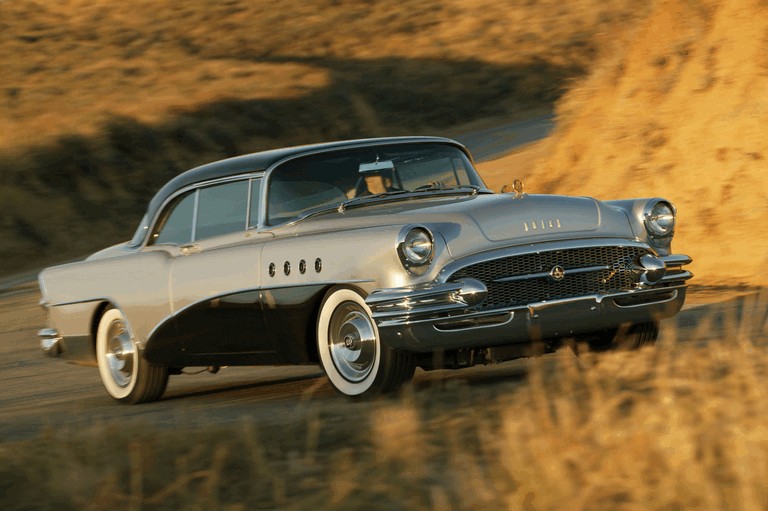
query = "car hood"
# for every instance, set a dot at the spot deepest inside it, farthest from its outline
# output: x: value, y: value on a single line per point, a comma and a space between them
x: 472, y: 223
x: 502, y: 217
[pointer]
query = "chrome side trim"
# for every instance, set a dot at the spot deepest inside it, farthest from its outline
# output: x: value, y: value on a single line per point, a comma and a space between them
x: 477, y: 320
x: 426, y: 298
x: 672, y: 297
x: 85, y: 300
x: 674, y: 277
x: 382, y: 298
x: 411, y: 313
x: 676, y: 260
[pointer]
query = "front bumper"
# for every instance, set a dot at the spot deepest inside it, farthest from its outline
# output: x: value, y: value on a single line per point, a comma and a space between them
x: 445, y: 316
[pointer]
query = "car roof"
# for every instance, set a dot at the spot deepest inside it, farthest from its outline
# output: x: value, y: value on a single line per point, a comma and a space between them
x: 265, y: 159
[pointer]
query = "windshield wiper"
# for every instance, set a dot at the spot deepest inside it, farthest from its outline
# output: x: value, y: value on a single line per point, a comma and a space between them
x: 436, y: 186
x: 362, y: 198
x: 440, y: 187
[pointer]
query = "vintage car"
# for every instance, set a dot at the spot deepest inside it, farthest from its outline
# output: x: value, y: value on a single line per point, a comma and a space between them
x: 367, y: 257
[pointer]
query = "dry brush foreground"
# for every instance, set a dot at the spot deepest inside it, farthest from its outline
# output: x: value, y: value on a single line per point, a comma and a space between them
x: 678, y: 426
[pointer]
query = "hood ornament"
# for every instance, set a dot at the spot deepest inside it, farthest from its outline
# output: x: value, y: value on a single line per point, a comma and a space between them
x: 517, y: 187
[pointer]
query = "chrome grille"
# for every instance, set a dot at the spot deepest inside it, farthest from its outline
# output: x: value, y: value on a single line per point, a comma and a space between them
x: 531, y: 281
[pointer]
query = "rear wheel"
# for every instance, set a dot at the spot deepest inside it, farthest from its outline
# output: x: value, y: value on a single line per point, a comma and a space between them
x: 350, y: 349
x: 126, y: 375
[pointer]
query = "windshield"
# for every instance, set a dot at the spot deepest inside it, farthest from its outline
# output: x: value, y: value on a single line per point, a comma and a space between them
x: 330, y: 179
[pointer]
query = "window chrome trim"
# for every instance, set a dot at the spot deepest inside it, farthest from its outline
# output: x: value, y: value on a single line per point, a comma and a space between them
x: 195, y: 186
x: 258, y: 181
x: 248, y: 206
x: 195, y: 207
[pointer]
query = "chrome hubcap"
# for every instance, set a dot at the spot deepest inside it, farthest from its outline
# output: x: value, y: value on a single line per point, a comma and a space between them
x: 352, y: 342
x: 120, y: 354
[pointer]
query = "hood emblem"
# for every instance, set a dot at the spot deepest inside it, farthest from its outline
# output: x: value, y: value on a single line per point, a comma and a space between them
x: 557, y: 273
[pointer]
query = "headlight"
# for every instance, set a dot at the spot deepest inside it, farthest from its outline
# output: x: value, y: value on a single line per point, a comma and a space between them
x: 415, y: 249
x: 660, y: 219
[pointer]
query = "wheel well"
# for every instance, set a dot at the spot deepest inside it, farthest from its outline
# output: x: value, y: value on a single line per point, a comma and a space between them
x: 310, y: 339
x: 97, y: 314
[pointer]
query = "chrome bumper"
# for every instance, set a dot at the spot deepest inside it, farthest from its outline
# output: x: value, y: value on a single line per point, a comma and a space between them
x: 443, y: 315
x: 50, y: 342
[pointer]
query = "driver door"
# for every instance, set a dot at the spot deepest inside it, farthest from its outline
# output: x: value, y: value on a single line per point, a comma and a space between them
x: 214, y: 275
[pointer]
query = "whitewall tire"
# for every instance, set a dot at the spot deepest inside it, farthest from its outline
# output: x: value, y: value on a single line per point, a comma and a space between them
x: 350, y: 348
x: 125, y: 374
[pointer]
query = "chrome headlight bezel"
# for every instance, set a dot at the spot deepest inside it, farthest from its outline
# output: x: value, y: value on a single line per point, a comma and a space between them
x: 416, y: 248
x: 659, y: 217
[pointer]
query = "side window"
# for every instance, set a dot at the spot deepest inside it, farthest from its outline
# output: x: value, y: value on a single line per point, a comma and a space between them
x: 253, y: 216
x: 177, y: 226
x: 222, y: 209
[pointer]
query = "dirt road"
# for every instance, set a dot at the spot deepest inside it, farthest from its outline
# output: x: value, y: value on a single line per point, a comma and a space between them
x: 38, y: 393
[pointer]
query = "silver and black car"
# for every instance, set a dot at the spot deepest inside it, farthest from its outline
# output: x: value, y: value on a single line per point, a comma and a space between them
x: 368, y: 257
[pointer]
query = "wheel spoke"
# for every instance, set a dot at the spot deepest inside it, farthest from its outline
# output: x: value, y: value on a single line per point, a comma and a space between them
x: 352, y: 342
x: 120, y: 354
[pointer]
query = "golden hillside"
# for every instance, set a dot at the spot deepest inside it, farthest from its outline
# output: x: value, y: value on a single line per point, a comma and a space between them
x: 102, y: 101
x: 677, y: 108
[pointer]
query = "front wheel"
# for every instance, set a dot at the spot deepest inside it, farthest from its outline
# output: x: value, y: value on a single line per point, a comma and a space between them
x: 350, y: 349
x: 126, y: 375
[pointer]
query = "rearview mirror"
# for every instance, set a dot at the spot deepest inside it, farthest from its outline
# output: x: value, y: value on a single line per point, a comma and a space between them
x: 376, y: 167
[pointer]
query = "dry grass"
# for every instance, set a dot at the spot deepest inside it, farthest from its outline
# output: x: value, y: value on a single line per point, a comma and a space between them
x: 677, y: 108
x: 71, y: 65
x: 102, y: 101
x: 679, y: 426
